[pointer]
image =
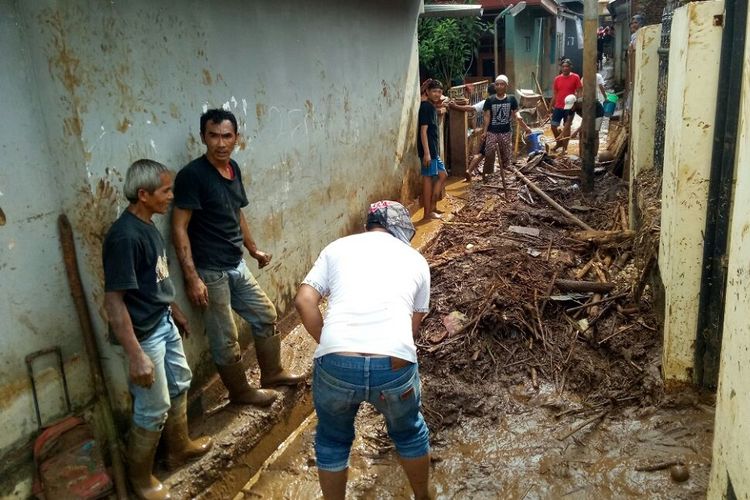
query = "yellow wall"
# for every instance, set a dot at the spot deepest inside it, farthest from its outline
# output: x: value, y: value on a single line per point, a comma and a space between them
x: 644, y: 103
x: 644, y: 98
x: 691, y: 108
x: 732, y: 429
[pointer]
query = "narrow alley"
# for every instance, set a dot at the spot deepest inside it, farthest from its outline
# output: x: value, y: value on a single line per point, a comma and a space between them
x: 563, y: 316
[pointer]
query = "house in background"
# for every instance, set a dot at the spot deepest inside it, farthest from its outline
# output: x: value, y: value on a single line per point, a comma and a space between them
x: 529, y: 41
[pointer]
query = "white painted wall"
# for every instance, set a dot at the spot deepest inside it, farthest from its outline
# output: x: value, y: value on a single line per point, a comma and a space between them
x: 691, y: 109
x: 644, y: 98
x: 326, y: 94
x: 731, y: 452
x: 643, y: 122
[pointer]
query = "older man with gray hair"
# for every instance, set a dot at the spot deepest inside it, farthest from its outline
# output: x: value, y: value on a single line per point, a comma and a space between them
x: 378, y: 290
x: 147, y: 323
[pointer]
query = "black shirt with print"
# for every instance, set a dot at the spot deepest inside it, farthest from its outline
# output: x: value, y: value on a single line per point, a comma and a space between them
x: 135, y: 261
x: 501, y: 112
x: 428, y: 116
x: 214, y: 229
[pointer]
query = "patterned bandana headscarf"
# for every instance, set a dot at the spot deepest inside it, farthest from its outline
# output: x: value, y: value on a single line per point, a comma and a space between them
x: 393, y: 217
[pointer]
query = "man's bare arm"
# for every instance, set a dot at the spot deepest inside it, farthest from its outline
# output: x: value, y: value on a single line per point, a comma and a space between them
x: 416, y: 321
x: 247, y: 240
x: 306, y: 302
x: 140, y: 367
x: 522, y: 123
x: 196, y: 289
x: 426, y: 158
x: 180, y: 320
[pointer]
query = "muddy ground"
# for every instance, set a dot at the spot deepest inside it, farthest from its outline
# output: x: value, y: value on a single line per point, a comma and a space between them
x: 532, y: 391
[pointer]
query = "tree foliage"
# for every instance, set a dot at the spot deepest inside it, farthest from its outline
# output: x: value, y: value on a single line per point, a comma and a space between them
x: 447, y: 46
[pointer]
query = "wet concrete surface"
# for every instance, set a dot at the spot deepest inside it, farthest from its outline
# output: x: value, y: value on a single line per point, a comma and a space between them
x: 244, y: 436
x: 452, y: 201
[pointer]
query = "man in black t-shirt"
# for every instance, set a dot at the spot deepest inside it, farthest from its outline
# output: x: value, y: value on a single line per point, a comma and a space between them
x: 139, y: 300
x: 433, y: 170
x: 209, y: 231
x: 499, y: 110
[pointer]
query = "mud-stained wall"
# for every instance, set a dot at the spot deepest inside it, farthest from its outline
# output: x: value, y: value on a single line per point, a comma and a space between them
x: 326, y: 96
x: 691, y: 110
x: 644, y: 108
x: 731, y: 455
x: 521, y: 47
x: 644, y: 99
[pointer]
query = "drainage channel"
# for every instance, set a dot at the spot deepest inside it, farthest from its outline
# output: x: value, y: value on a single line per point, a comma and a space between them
x: 245, y: 436
x: 250, y: 443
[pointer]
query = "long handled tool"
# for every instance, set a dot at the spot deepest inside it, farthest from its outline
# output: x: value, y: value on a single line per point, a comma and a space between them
x: 103, y: 404
x: 541, y: 93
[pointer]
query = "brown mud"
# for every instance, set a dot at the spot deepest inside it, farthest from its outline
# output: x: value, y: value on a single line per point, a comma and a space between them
x: 531, y: 391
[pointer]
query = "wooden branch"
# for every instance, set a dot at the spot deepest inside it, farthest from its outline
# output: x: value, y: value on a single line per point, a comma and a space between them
x: 641, y: 283
x: 552, y: 202
x: 603, y: 237
x: 580, y: 426
x: 584, y: 286
x: 659, y: 466
x: 624, y: 218
x: 581, y: 273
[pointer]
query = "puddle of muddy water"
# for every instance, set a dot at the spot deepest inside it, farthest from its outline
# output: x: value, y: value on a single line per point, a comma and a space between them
x: 517, y: 455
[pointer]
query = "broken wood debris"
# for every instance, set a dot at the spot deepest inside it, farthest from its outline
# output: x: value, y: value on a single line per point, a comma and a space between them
x: 552, y: 202
x: 584, y: 286
x: 553, y: 312
x: 583, y: 424
x: 529, y: 231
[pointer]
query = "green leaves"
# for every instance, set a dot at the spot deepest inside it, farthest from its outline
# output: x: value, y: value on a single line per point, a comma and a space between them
x: 447, y: 45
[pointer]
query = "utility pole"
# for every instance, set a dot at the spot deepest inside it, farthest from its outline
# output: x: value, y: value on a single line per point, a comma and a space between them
x: 588, y: 130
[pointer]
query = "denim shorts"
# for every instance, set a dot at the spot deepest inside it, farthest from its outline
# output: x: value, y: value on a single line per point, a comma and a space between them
x: 559, y: 115
x: 342, y: 383
x: 436, y: 166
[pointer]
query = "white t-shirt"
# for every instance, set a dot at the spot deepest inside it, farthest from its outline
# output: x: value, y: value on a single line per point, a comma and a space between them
x: 600, y: 82
x: 374, y: 283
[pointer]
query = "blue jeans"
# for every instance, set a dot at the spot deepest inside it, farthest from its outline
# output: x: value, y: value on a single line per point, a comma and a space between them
x: 436, y: 166
x: 342, y: 383
x: 172, y: 376
x: 234, y: 289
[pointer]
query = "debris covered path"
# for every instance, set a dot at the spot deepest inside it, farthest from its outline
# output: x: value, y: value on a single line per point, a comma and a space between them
x: 540, y: 358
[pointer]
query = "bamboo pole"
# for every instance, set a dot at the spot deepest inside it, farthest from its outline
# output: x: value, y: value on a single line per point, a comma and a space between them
x: 103, y: 403
x: 552, y: 202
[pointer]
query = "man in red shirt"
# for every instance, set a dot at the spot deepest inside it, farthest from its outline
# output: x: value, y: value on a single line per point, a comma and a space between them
x: 565, y: 84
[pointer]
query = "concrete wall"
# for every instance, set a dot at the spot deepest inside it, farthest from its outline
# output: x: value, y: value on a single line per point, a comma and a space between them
x: 644, y: 105
x: 522, y: 47
x: 644, y: 99
x: 326, y: 96
x: 731, y: 457
x: 691, y: 109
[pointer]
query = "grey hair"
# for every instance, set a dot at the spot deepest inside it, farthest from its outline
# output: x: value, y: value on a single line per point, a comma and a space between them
x: 143, y: 174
